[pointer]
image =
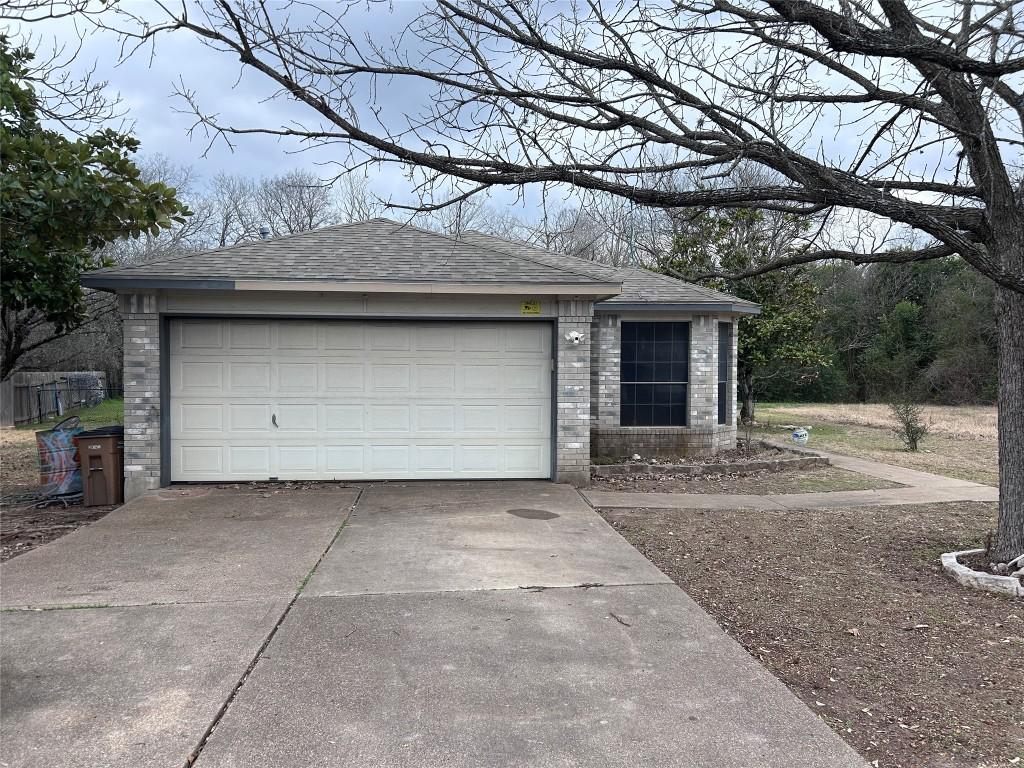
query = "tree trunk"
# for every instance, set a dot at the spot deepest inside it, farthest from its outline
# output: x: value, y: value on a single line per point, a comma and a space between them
x: 746, y: 382
x: 1009, y: 541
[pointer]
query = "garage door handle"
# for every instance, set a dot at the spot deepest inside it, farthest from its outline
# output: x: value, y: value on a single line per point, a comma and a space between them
x: 273, y: 419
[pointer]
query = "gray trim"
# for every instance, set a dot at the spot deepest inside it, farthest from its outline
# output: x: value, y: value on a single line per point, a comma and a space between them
x: 165, y: 401
x: 120, y: 283
x: 739, y: 309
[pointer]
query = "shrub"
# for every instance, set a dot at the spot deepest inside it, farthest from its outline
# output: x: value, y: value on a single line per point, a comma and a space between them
x: 910, y: 422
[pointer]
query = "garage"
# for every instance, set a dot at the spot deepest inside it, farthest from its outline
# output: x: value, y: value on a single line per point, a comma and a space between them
x: 317, y: 399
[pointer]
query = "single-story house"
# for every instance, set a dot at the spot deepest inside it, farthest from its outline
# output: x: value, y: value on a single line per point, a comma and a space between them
x: 378, y: 350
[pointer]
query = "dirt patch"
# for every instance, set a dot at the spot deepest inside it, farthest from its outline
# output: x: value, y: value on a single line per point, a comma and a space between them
x: 19, y: 460
x: 740, y: 454
x: 23, y: 528
x: 822, y: 479
x: 851, y: 609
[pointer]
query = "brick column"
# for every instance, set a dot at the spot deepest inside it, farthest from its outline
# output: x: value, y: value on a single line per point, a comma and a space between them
x: 141, y: 393
x: 572, y: 393
x: 605, y: 369
x: 703, y: 385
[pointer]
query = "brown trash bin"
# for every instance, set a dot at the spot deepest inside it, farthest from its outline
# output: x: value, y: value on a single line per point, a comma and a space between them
x: 101, y: 455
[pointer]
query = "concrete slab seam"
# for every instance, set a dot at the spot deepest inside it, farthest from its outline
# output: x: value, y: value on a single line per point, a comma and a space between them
x: 198, y: 749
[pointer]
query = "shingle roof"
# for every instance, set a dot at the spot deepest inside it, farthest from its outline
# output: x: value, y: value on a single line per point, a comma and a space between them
x: 375, y: 250
x: 380, y: 250
x: 639, y: 285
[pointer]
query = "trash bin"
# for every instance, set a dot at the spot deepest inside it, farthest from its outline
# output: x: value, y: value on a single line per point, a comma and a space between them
x: 101, y: 455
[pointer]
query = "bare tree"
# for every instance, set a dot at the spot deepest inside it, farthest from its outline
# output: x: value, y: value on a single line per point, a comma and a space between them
x: 296, y: 201
x: 926, y: 100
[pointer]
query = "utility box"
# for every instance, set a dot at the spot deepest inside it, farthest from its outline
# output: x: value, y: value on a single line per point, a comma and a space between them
x: 101, y: 455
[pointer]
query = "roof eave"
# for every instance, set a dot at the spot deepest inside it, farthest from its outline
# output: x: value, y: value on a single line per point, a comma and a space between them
x: 597, y: 290
x: 737, y: 308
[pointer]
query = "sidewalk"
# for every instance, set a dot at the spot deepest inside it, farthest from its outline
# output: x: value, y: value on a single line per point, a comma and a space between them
x: 919, y: 488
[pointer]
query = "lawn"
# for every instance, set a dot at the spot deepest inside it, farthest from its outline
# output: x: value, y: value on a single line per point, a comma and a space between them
x: 962, y: 442
x: 19, y: 459
x: 850, y: 609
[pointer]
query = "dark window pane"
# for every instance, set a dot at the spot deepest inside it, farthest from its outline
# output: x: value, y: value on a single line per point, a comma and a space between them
x: 680, y: 350
x: 628, y: 372
x: 680, y: 331
x: 662, y: 331
x: 644, y: 394
x: 628, y: 394
x: 645, y: 331
x: 645, y: 351
x: 723, y: 402
x: 678, y: 395
x: 627, y: 416
x: 644, y: 372
x: 679, y: 371
x: 678, y: 416
x: 724, y: 351
x: 628, y: 352
x: 663, y: 371
x: 629, y: 331
x: 661, y: 415
x: 643, y: 416
x: 663, y: 394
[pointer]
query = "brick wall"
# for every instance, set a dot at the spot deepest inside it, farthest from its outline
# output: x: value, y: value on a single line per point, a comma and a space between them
x: 572, y: 388
x: 702, y: 435
x: 141, y: 393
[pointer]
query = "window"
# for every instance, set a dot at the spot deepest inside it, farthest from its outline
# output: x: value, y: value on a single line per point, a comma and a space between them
x: 655, y: 369
x: 724, y: 370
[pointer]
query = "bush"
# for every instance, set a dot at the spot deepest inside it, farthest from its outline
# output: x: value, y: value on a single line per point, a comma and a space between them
x: 910, y: 422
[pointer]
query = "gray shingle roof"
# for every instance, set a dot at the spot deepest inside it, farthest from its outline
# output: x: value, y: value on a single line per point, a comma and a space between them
x: 375, y: 250
x: 380, y: 250
x: 639, y: 285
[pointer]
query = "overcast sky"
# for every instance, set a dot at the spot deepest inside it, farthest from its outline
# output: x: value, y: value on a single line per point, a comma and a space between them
x: 146, y: 85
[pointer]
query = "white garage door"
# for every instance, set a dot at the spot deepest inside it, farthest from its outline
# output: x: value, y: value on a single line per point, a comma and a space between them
x: 324, y: 400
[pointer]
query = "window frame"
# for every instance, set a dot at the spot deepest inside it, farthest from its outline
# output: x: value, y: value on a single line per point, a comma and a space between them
x: 727, y: 366
x: 644, y: 343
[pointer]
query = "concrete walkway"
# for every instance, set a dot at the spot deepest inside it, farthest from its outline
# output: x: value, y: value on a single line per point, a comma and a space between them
x: 447, y: 624
x: 918, y: 488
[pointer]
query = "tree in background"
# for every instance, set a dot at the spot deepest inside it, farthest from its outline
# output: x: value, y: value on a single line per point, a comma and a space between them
x: 785, y: 340
x: 62, y: 201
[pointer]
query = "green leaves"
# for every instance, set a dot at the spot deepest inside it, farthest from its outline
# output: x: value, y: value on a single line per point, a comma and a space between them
x: 61, y: 200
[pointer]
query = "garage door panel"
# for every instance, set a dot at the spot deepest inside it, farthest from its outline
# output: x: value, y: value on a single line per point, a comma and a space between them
x: 200, y: 335
x: 344, y: 377
x: 201, y: 418
x: 298, y: 335
x: 392, y: 378
x: 389, y: 418
x: 343, y: 418
x: 298, y: 417
x: 296, y: 377
x: 249, y: 417
x: 248, y: 377
x: 249, y: 334
x: 354, y: 400
x: 249, y: 460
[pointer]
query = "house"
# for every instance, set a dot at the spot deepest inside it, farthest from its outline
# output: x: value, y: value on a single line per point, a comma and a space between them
x: 378, y: 350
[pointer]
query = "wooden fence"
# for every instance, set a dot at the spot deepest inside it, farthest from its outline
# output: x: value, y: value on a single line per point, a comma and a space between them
x: 31, y: 396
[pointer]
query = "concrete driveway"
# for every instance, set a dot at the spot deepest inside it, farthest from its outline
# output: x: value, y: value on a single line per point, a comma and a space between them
x: 449, y: 624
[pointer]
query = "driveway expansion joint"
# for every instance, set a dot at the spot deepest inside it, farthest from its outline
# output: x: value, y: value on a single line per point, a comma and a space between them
x: 197, y: 751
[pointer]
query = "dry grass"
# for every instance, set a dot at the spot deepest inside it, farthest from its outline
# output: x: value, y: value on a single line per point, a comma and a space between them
x: 19, y: 462
x: 851, y: 610
x: 962, y: 442
x: 966, y: 422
